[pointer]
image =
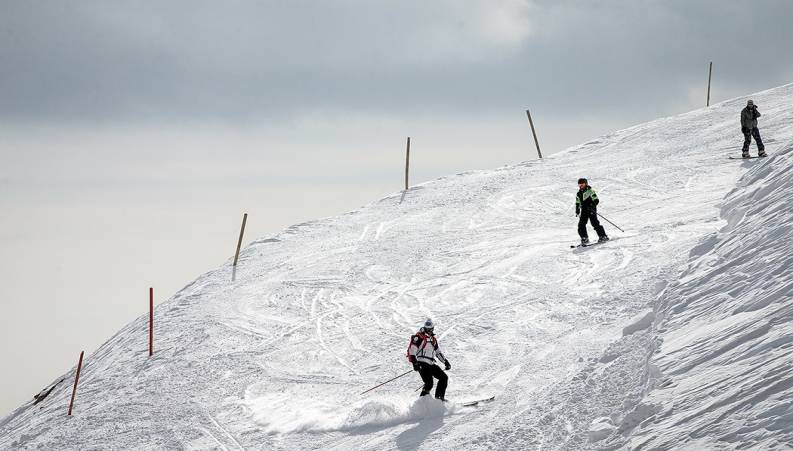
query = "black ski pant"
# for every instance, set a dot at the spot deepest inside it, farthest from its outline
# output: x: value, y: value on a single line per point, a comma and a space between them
x: 592, y: 217
x: 427, y: 373
x: 747, y: 139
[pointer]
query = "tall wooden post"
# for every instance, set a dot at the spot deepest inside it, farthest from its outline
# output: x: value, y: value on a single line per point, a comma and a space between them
x: 534, y: 133
x: 76, y: 379
x: 407, y: 163
x: 151, y: 322
x: 710, y: 72
x: 239, y: 242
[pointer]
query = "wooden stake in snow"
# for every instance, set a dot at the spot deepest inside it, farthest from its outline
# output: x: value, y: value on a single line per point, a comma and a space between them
x: 76, y: 379
x: 151, y: 322
x: 534, y: 133
x: 710, y: 71
x: 239, y: 242
x: 407, y: 164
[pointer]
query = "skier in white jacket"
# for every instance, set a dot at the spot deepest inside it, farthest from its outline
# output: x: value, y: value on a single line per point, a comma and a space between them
x: 422, y: 352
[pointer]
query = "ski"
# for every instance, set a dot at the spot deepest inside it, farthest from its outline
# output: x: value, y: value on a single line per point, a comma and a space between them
x: 477, y: 402
x: 594, y: 243
x: 742, y: 158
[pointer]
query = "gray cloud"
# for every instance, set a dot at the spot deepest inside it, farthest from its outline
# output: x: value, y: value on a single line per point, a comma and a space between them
x: 266, y: 60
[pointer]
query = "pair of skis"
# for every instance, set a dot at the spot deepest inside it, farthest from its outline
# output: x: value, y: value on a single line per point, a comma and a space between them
x: 594, y: 243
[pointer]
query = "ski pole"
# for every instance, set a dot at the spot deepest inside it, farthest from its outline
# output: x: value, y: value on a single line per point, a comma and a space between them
x: 390, y: 380
x: 615, y: 225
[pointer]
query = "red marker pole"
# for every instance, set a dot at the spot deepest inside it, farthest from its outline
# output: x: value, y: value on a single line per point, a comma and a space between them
x: 76, y: 379
x: 151, y: 322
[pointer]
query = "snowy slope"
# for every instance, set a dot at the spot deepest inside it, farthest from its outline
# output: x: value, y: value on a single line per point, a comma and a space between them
x: 723, y: 368
x: 608, y: 347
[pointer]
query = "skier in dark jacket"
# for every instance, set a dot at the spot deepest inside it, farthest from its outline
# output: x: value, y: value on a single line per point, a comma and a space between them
x: 586, y: 202
x: 422, y: 352
x: 749, y: 128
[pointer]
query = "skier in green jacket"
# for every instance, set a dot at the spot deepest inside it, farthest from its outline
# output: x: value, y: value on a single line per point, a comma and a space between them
x: 586, y: 202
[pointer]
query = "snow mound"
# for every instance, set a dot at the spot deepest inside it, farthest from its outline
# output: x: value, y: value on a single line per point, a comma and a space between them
x: 726, y: 356
x: 600, y: 429
x: 289, y: 413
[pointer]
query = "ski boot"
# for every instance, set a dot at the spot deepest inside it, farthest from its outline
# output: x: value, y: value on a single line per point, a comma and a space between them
x: 584, y: 241
x: 603, y: 239
x: 745, y: 155
x: 441, y: 399
x: 762, y: 154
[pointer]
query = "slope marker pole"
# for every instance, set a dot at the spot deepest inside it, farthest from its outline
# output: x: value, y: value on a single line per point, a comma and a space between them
x: 239, y: 242
x: 76, y: 379
x: 534, y: 133
x: 407, y: 163
x: 151, y: 322
x: 710, y: 72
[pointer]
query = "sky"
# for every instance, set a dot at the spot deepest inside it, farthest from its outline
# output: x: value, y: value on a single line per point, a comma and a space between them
x: 134, y: 135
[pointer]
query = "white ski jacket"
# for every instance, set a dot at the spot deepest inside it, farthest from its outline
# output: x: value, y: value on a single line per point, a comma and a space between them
x: 424, y: 348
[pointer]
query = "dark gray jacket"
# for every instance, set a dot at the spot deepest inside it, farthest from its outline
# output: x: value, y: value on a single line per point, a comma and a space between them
x: 749, y: 118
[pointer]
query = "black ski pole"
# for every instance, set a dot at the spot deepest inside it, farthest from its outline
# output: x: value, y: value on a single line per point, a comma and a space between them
x: 390, y: 380
x: 615, y: 225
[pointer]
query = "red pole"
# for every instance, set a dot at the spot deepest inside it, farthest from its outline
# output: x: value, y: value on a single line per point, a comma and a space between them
x: 151, y: 322
x: 76, y: 378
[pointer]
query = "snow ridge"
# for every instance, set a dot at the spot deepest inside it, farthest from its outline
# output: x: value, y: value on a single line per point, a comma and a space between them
x: 726, y: 354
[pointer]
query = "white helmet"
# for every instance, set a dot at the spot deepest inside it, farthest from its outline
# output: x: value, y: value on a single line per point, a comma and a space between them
x: 428, y: 326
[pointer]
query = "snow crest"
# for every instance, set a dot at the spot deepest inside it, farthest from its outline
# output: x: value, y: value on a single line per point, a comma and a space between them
x: 727, y: 339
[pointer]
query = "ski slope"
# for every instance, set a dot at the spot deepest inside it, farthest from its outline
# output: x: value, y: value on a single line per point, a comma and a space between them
x: 674, y: 335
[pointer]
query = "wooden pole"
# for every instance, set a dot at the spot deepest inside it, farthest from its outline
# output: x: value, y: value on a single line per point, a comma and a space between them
x: 534, y: 133
x: 710, y: 72
x: 407, y: 163
x: 76, y: 379
x: 151, y: 322
x: 239, y: 242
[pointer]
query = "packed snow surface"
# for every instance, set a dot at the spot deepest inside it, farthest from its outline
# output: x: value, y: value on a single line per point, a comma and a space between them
x: 674, y: 335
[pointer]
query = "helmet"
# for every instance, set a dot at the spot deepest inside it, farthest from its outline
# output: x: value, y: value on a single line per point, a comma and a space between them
x: 429, y: 327
x: 750, y: 103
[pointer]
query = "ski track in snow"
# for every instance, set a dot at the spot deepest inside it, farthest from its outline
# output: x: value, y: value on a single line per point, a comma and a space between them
x: 585, y: 348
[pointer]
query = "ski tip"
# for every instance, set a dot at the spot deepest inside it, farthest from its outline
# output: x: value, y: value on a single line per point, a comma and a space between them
x: 477, y: 402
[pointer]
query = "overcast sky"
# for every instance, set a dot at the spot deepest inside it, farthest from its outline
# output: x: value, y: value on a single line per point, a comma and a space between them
x: 134, y: 135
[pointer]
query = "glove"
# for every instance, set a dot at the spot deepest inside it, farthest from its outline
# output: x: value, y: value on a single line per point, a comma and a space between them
x: 448, y: 366
x: 412, y: 359
x: 416, y: 366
